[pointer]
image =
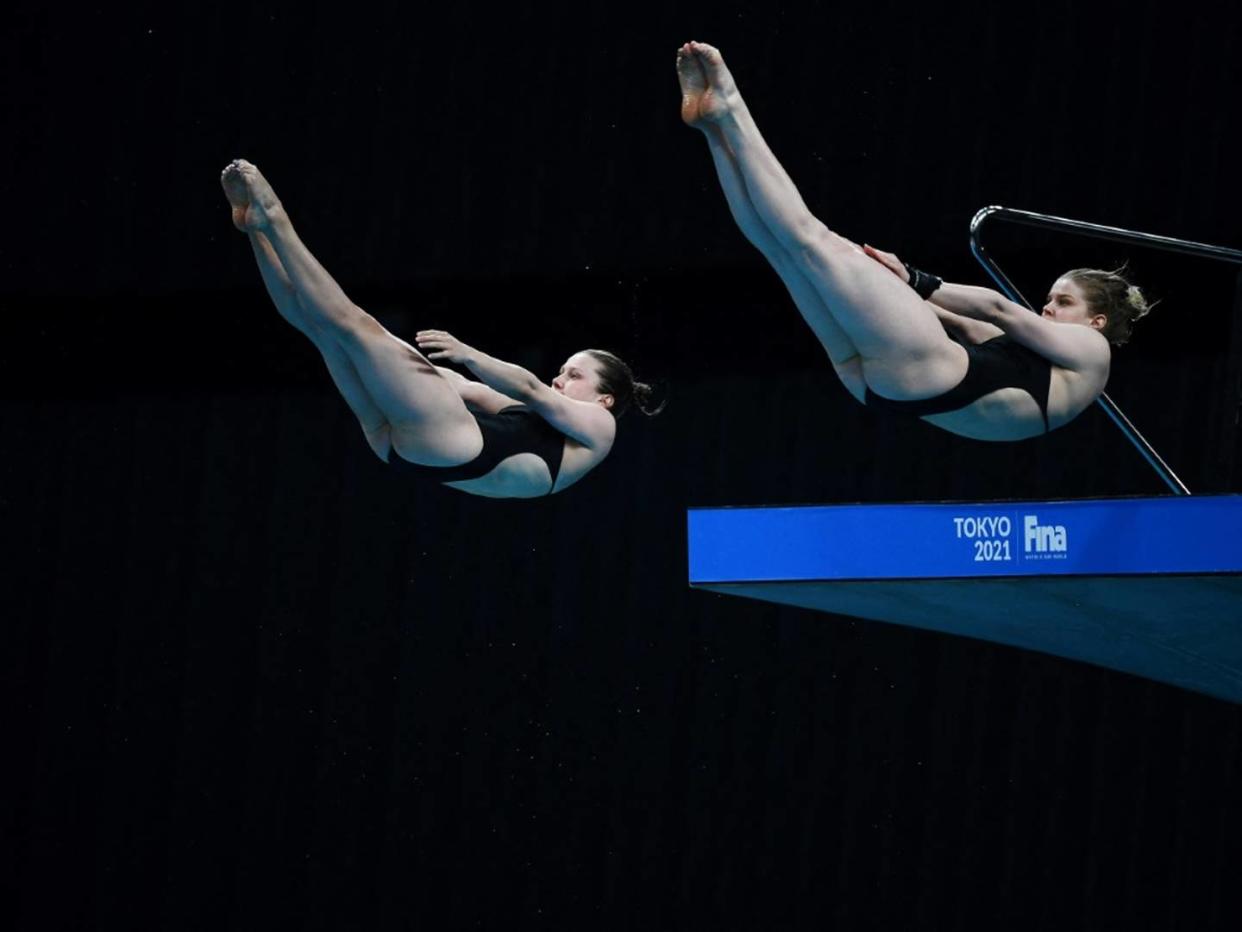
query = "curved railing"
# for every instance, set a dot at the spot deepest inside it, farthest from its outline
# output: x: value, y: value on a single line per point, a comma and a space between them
x: 1116, y: 234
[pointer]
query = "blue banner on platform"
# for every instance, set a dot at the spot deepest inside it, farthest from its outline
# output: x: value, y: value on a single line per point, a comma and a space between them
x: 1192, y: 534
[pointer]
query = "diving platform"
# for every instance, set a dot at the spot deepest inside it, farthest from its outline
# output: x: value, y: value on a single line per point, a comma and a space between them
x: 1148, y: 586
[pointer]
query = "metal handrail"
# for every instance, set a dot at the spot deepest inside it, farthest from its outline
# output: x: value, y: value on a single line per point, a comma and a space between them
x: 1116, y: 234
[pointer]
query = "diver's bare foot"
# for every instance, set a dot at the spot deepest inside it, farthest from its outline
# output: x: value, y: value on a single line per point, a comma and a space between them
x: 254, y: 202
x: 693, y: 86
x: 235, y: 191
x: 708, y: 92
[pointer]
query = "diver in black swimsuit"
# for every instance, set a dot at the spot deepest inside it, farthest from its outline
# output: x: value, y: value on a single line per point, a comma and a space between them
x: 508, y: 435
x: 899, y: 339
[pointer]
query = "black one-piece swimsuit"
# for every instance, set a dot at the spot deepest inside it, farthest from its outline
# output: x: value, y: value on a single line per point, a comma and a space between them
x: 515, y: 429
x: 995, y: 363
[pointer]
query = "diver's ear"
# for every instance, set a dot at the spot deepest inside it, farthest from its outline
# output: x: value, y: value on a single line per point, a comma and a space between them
x: 607, y: 401
x: 1099, y: 321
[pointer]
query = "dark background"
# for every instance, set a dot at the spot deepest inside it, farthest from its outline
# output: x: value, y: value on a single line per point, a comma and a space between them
x: 257, y: 681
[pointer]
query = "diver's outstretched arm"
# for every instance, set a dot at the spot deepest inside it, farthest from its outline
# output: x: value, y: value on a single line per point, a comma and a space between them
x: 586, y: 422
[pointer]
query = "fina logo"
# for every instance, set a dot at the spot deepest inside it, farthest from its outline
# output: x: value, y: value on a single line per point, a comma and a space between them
x: 1044, y: 541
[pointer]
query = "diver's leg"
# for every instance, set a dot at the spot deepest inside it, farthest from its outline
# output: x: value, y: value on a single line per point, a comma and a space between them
x: 905, y: 352
x: 372, y: 420
x: 428, y: 422
x: 840, y: 349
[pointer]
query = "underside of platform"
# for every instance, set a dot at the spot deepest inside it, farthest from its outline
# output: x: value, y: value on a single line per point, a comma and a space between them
x: 1168, y: 607
x: 1183, y: 630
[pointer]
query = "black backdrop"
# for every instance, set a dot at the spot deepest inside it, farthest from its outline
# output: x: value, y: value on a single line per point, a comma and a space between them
x: 256, y: 680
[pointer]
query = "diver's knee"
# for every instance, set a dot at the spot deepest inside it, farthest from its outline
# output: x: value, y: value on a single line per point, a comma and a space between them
x: 379, y: 439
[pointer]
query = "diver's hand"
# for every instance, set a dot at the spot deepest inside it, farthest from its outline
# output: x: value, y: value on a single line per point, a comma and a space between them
x: 439, y: 344
x: 889, y: 261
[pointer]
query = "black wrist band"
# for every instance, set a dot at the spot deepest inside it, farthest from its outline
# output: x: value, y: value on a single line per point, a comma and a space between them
x: 923, y: 283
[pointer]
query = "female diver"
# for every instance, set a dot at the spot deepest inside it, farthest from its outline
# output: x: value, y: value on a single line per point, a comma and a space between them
x: 506, y: 436
x: 963, y: 358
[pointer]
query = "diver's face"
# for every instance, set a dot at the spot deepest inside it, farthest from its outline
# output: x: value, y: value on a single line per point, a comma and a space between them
x: 1066, y: 304
x: 579, y: 378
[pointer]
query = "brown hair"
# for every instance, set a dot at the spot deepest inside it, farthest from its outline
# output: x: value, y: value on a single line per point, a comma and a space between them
x: 617, y: 379
x: 1111, y: 294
